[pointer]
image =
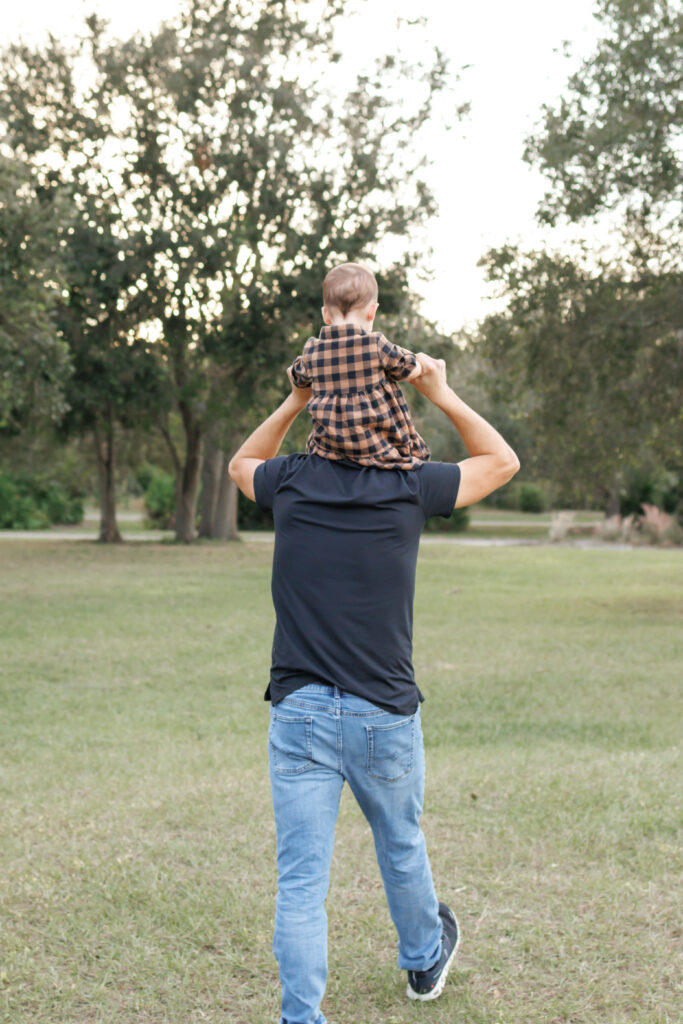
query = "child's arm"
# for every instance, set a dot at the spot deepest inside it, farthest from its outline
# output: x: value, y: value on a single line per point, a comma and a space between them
x: 398, y: 363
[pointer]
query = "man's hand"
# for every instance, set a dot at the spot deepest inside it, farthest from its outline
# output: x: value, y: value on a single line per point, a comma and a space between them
x: 301, y: 395
x: 432, y: 381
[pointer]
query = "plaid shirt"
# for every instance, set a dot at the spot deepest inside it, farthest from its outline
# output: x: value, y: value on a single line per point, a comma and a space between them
x: 358, y: 409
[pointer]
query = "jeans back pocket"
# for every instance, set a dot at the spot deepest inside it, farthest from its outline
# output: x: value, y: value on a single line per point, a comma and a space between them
x: 391, y: 749
x: 290, y: 738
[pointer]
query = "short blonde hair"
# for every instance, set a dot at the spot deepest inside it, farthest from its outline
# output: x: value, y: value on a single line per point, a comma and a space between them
x: 347, y: 286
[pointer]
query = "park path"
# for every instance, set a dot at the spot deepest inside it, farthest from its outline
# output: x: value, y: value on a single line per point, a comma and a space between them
x: 81, y: 533
x: 266, y: 537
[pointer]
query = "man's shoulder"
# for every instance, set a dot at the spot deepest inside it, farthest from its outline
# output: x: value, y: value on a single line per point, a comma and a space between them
x: 433, y: 485
x: 270, y: 475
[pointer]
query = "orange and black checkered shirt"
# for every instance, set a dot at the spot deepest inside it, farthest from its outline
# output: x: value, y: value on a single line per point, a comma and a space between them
x: 358, y: 409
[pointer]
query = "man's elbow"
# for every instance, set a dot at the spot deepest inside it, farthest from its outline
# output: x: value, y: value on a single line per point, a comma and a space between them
x: 510, y: 467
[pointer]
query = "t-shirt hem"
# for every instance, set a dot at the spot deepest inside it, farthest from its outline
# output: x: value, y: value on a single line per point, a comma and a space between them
x: 291, y: 686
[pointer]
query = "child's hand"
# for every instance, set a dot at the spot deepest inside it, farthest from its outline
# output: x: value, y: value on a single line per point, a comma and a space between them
x: 432, y: 380
x: 301, y: 394
x: 417, y: 372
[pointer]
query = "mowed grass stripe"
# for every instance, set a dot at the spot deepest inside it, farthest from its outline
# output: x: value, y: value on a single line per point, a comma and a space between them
x: 137, y: 872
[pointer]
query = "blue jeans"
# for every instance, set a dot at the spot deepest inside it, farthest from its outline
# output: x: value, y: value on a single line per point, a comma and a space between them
x: 320, y: 737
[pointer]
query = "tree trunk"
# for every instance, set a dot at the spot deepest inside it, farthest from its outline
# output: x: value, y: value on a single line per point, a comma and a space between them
x: 613, y: 503
x: 212, y: 465
x: 187, y: 481
x: 225, y: 518
x: 104, y: 451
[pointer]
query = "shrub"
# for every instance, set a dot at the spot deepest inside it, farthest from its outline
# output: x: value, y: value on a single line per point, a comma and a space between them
x: 641, y: 487
x: 250, y: 516
x: 506, y: 497
x: 531, y: 498
x: 145, y: 475
x: 160, y: 500
x: 672, y: 496
x: 8, y: 502
x: 28, y: 503
x: 456, y: 523
x: 28, y: 516
x: 74, y: 512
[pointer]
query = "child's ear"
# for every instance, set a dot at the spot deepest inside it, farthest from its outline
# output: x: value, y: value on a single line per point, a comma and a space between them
x: 326, y: 315
x: 372, y: 310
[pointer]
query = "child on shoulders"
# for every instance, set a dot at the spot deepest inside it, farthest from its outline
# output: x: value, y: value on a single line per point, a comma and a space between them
x: 358, y: 410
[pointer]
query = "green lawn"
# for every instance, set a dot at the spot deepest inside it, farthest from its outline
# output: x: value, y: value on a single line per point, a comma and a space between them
x: 137, y: 873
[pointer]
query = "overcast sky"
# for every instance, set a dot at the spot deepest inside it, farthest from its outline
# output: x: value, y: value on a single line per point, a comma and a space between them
x: 486, y: 194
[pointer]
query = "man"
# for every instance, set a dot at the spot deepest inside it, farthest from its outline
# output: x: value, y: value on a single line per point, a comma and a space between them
x: 344, y: 703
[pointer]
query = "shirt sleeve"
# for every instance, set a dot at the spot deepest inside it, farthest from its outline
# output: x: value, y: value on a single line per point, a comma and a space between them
x: 267, y: 478
x: 301, y: 374
x: 398, y: 363
x: 439, y: 485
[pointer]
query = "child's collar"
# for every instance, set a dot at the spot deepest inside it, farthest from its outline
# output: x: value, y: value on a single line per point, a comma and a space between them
x: 341, y: 330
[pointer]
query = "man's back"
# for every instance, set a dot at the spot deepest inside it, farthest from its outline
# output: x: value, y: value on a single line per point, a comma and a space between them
x: 346, y: 543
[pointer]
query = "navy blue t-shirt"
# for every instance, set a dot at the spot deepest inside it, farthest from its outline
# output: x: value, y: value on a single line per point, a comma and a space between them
x: 346, y: 543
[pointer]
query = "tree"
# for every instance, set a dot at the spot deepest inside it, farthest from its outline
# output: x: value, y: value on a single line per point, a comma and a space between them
x: 593, y: 364
x: 594, y: 343
x: 237, y: 178
x: 614, y: 139
x: 117, y: 381
x: 34, y: 360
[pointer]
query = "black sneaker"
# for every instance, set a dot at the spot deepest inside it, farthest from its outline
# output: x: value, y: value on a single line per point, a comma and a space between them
x: 424, y: 985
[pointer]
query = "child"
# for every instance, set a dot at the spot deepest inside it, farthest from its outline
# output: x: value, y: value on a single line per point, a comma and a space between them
x: 358, y: 410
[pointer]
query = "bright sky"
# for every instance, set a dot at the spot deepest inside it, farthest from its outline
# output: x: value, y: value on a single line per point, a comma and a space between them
x: 486, y: 194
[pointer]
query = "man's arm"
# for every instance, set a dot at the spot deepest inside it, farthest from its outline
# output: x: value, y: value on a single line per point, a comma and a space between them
x: 265, y: 441
x: 492, y: 461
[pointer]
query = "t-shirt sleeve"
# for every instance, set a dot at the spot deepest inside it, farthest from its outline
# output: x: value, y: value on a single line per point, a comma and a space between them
x: 439, y: 484
x: 398, y: 363
x: 266, y: 481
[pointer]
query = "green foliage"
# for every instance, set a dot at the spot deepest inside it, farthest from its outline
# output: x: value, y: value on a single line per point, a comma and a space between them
x: 650, y: 485
x: 144, y: 475
x: 531, y: 498
x: 672, y: 495
x: 8, y: 502
x: 615, y: 134
x: 457, y: 522
x: 34, y: 503
x: 34, y: 360
x: 213, y: 189
x: 591, y: 347
x: 592, y: 358
x: 506, y: 497
x: 160, y: 497
x: 250, y: 516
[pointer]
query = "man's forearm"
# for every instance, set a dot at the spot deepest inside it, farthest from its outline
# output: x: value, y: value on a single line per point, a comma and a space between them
x: 264, y: 443
x: 492, y: 461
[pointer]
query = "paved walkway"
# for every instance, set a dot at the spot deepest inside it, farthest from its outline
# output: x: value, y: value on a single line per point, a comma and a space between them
x: 61, y: 533
x: 265, y: 537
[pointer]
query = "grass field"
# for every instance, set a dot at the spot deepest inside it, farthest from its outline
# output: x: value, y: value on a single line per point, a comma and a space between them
x: 137, y: 874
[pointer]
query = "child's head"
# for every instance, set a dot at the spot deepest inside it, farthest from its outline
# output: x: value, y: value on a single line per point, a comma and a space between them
x: 349, y: 293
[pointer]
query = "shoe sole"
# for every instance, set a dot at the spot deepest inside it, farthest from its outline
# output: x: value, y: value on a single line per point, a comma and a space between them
x: 438, y: 988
